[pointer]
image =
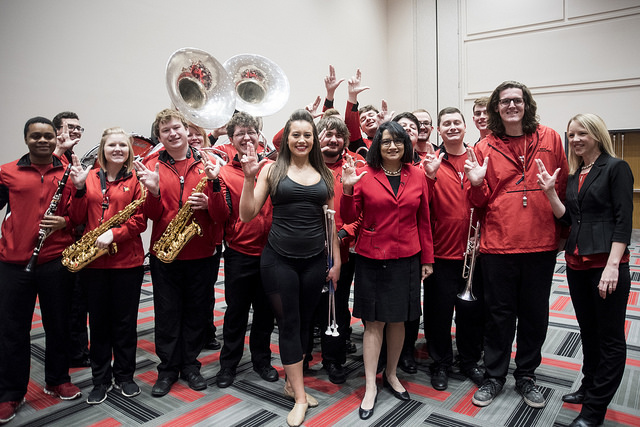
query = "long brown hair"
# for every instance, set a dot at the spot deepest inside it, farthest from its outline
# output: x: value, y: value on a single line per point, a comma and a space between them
x: 530, y: 118
x: 280, y: 168
x: 102, y: 159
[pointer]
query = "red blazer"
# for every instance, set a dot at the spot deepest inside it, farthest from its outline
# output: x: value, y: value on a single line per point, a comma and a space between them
x: 392, y: 226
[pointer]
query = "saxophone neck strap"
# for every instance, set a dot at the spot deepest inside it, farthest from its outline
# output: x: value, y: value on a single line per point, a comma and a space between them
x: 103, y: 186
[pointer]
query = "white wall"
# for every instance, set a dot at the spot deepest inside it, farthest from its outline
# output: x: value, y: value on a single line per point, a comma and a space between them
x: 106, y: 60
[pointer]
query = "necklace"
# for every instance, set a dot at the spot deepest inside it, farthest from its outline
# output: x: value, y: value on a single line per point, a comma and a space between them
x: 392, y: 173
x: 588, y: 166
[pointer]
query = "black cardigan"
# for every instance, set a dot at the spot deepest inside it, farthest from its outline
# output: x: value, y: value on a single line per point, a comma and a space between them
x: 601, y: 213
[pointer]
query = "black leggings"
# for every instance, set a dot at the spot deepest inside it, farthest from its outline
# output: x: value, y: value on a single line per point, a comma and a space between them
x: 293, y: 287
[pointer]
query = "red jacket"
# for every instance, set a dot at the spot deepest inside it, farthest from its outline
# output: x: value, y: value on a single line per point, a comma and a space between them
x: 509, y: 227
x: 350, y: 229
x: 248, y: 238
x: 173, y: 194
x: 27, y: 194
x: 450, y: 209
x: 86, y: 207
x: 392, y: 226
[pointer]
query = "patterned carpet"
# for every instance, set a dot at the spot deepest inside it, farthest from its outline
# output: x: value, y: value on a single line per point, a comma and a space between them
x: 251, y: 401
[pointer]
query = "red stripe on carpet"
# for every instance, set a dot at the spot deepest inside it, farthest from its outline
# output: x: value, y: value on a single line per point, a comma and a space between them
x: 562, y: 315
x: 145, y: 309
x: 633, y: 362
x: 623, y: 418
x: 464, y: 405
x: 425, y: 391
x: 633, y: 298
x: 146, y: 320
x: 337, y: 411
x: 179, y: 390
x: 561, y: 364
x: 147, y: 346
x: 108, y: 422
x: 37, y: 398
x: 207, y: 360
x: 560, y: 304
x: 204, y: 411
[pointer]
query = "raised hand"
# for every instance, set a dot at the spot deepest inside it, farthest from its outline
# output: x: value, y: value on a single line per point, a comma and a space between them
x: 331, y: 83
x: 431, y: 162
x: 385, y: 115
x: 78, y: 174
x: 64, y: 141
x: 546, y: 182
x: 355, y: 87
x: 211, y: 168
x: 349, y: 175
x: 313, y: 108
x: 250, y: 163
x: 475, y: 173
x: 147, y: 177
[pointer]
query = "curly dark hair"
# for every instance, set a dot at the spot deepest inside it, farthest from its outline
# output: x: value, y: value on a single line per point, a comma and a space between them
x: 530, y: 119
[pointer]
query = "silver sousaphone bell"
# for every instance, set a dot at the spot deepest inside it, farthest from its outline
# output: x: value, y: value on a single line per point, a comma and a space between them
x: 261, y: 87
x: 200, y: 87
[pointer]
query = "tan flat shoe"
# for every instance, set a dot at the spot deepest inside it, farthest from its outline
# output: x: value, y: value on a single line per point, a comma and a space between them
x: 312, y: 401
x: 296, y: 416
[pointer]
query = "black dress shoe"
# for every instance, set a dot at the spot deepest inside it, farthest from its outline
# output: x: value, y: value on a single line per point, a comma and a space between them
x: 474, y: 374
x: 351, y: 347
x: 267, y: 373
x: 195, y: 380
x: 365, y: 414
x: 583, y: 422
x: 408, y: 364
x: 212, y: 345
x: 225, y: 377
x: 577, y: 397
x: 402, y: 395
x: 440, y: 378
x: 162, y: 386
x: 335, y: 371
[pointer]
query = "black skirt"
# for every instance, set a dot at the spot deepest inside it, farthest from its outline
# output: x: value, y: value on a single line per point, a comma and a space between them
x: 387, y: 290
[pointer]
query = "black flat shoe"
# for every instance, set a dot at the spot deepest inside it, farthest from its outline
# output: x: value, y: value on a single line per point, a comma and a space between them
x: 365, y: 414
x: 404, y: 395
x: 577, y: 397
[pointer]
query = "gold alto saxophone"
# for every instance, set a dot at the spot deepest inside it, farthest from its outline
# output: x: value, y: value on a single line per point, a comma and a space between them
x: 178, y: 232
x: 84, y: 251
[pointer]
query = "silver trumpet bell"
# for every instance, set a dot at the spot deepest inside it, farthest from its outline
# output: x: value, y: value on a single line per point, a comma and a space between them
x: 260, y: 85
x: 200, y: 87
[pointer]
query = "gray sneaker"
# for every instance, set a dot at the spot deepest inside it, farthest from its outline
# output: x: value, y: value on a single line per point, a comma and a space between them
x: 489, y: 389
x: 527, y: 388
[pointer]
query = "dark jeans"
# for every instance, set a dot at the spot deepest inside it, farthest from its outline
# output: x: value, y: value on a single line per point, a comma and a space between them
x: 79, y: 344
x: 52, y: 284
x: 517, y: 288
x: 242, y: 290
x: 602, y: 331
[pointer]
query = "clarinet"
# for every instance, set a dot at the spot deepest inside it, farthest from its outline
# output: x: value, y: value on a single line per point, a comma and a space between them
x: 44, y: 232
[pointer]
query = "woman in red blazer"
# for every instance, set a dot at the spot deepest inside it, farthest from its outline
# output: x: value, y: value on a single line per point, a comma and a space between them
x: 113, y: 281
x: 394, y: 247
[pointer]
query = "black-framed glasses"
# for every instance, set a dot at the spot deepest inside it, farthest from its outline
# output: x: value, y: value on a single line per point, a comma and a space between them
x: 505, y: 102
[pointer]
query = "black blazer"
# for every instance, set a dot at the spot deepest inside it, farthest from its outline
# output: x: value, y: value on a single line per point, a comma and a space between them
x: 601, y: 212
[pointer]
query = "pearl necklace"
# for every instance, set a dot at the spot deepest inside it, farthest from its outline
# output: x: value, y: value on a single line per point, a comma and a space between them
x: 588, y: 166
x: 392, y: 173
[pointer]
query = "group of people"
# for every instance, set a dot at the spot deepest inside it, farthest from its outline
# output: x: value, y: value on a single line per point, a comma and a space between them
x: 403, y: 208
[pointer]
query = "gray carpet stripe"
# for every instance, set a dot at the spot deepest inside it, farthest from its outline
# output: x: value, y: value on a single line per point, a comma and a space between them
x: 524, y: 415
x: 257, y: 419
x: 37, y: 352
x: 439, y: 420
x: 59, y: 414
x: 399, y: 414
x: 263, y: 393
x: 133, y: 409
x: 570, y: 345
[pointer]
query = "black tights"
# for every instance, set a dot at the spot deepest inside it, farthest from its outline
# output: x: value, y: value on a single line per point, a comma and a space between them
x: 294, y: 287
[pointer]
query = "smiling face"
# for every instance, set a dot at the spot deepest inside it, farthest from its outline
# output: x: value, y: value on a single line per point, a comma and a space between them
x: 41, y: 141
x: 116, y: 149
x: 391, y: 149
x: 242, y: 136
x: 410, y: 127
x: 369, y: 123
x: 582, y: 143
x: 511, y: 107
x: 173, y: 135
x: 426, y: 126
x: 334, y: 143
x: 300, y: 138
x: 195, y: 138
x: 480, y: 117
x: 452, y: 128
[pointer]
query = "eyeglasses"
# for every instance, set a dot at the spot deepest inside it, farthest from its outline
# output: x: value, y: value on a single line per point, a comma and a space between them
x: 251, y: 133
x: 387, y: 143
x: 73, y: 128
x: 505, y: 102
x: 425, y: 123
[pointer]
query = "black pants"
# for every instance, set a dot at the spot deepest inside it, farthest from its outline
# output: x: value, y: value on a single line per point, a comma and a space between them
x: 181, y: 292
x: 79, y: 336
x: 440, y: 300
x: 114, y: 297
x: 243, y: 289
x: 517, y: 287
x: 293, y: 287
x: 334, y: 349
x: 602, y: 324
x: 210, y: 326
x: 52, y: 284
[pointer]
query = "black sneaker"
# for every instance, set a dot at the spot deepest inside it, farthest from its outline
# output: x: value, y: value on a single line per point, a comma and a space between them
x: 336, y: 372
x: 527, y: 388
x: 489, y: 389
x: 99, y: 393
x: 127, y: 388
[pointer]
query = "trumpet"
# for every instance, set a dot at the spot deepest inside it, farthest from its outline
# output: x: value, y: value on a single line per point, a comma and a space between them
x: 470, y: 256
x: 329, y: 226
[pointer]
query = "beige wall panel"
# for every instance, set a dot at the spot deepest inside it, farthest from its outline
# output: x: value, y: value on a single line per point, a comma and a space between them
x: 555, y: 57
x: 494, y: 15
x: 580, y: 8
